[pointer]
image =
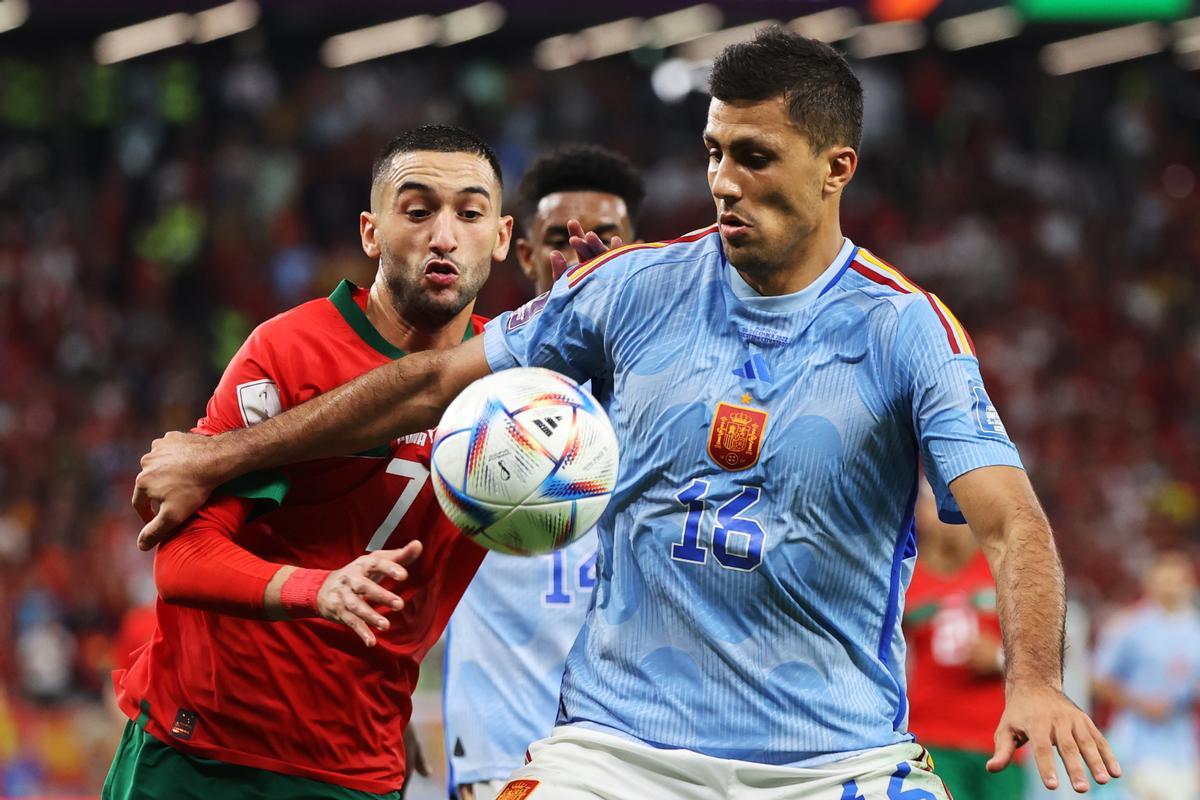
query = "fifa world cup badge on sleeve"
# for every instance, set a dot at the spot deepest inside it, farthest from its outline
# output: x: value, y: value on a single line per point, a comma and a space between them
x: 735, y: 440
x: 518, y: 790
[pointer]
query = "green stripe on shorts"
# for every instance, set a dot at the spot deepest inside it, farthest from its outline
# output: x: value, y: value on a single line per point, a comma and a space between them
x: 146, y: 769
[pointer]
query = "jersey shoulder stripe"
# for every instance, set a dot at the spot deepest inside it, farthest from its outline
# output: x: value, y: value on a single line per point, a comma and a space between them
x: 580, y: 272
x: 878, y: 271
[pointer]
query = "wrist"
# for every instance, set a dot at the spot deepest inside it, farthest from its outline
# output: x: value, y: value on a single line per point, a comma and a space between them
x: 298, y: 590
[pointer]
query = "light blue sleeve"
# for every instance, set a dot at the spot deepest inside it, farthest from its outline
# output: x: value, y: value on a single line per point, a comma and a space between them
x: 1111, y: 660
x: 958, y: 429
x: 564, y: 330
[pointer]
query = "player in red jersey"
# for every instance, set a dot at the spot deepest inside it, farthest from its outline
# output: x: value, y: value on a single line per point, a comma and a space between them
x: 226, y: 700
x: 956, y: 681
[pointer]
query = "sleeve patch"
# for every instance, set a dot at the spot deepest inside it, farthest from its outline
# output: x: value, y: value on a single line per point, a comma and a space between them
x: 987, y: 418
x: 527, y: 312
x: 258, y: 400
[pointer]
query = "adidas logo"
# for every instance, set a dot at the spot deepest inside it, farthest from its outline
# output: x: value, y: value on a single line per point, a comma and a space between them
x: 548, y: 425
x: 756, y: 369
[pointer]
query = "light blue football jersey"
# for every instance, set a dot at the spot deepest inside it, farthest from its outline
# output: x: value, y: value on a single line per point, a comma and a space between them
x: 1153, y: 654
x: 505, y: 649
x: 753, y: 561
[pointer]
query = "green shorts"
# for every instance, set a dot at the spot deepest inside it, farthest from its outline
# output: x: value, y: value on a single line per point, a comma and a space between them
x: 965, y: 775
x: 146, y: 769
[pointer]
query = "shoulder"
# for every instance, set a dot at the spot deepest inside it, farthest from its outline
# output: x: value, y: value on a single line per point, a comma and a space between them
x: 902, y: 301
x: 293, y: 330
x: 633, y: 259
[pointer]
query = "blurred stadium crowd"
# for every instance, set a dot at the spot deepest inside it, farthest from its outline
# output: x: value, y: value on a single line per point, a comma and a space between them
x: 152, y: 213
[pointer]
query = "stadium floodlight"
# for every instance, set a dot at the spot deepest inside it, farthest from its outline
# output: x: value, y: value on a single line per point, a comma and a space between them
x: 13, y: 14
x: 684, y: 25
x: 225, y: 20
x: 377, y: 41
x: 676, y: 78
x: 610, y: 38
x: 1106, y: 47
x: 982, y: 27
x: 888, y: 38
x: 559, y: 51
x: 831, y: 25
x: 144, y: 37
x: 707, y: 47
x: 471, y: 23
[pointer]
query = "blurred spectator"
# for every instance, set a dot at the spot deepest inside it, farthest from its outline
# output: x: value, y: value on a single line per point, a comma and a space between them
x: 956, y: 675
x: 1148, y: 669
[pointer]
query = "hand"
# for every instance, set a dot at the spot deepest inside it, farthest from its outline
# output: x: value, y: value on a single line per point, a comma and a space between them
x: 984, y: 659
x: 414, y: 756
x: 1047, y: 719
x: 177, y: 476
x: 350, y: 595
x: 586, y: 245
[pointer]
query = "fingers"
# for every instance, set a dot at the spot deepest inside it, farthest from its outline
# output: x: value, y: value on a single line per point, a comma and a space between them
x: 615, y: 242
x: 400, y: 555
x: 141, y: 503
x: 1106, y: 752
x: 157, y: 528
x: 1005, y: 747
x: 1068, y: 751
x: 1043, y: 757
x: 376, y: 594
x: 558, y: 264
x: 1090, y: 750
x: 350, y: 620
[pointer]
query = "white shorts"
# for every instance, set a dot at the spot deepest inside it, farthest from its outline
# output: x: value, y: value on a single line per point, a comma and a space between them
x: 579, y: 764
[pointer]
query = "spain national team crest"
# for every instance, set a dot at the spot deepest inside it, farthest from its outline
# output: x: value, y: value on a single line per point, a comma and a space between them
x: 735, y: 440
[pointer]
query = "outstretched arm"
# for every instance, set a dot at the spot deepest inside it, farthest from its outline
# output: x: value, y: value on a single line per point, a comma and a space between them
x: 204, y: 568
x: 404, y: 396
x: 1001, y: 507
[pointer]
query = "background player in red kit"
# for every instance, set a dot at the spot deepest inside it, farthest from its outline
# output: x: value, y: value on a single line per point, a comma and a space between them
x: 956, y: 680
x: 227, y: 703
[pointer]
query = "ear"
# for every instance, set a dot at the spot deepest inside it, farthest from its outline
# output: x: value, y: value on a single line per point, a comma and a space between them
x: 368, y: 233
x: 843, y: 162
x: 503, y: 239
x: 525, y: 259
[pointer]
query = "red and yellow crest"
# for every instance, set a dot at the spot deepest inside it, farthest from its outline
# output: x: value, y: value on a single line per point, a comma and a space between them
x: 518, y: 790
x: 735, y: 440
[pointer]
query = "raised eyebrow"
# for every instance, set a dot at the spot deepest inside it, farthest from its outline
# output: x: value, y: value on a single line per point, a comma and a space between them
x: 476, y: 190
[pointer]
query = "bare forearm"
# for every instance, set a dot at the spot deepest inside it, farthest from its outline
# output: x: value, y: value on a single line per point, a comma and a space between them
x: 1032, y: 598
x: 400, y: 397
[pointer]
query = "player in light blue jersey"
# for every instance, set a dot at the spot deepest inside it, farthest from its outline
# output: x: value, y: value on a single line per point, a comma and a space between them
x: 509, y: 637
x: 1148, y: 668
x: 773, y: 387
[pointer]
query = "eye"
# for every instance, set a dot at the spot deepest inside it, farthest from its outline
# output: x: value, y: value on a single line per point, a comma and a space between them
x: 757, y: 160
x: 417, y: 213
x: 714, y: 154
x: 556, y: 242
x: 470, y: 213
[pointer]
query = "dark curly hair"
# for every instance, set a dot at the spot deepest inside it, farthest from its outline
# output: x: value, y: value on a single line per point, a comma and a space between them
x: 823, y: 95
x: 580, y: 168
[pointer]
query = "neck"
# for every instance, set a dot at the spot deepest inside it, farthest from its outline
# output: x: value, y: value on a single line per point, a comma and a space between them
x: 412, y: 337
x: 808, y: 260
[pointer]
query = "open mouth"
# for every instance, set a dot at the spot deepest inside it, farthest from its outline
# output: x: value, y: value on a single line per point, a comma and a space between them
x: 732, y: 225
x: 441, y: 272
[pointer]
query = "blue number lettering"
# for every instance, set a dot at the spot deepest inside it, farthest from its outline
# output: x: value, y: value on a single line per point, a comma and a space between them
x: 693, y: 499
x: 896, y: 790
x: 558, y: 595
x: 850, y: 791
x: 729, y: 522
x: 587, y: 572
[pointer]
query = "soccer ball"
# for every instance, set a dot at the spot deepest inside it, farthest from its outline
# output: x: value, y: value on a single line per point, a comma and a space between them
x: 524, y: 461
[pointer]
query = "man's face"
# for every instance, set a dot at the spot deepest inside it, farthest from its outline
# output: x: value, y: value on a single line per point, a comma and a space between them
x: 1171, y: 582
x: 435, y: 227
x: 601, y: 212
x: 767, y: 183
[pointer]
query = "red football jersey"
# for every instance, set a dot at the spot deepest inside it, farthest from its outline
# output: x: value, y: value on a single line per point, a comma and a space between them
x: 307, y: 697
x: 950, y: 706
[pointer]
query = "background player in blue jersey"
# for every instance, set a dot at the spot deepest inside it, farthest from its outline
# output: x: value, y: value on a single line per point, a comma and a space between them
x: 772, y: 386
x: 1148, y: 669
x: 509, y: 636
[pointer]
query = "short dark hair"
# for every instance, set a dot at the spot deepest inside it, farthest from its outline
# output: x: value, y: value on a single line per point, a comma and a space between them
x: 823, y: 95
x: 439, y: 139
x: 580, y: 168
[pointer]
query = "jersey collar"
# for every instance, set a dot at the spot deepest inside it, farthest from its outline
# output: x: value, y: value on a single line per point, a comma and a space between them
x: 796, y: 300
x: 343, y: 300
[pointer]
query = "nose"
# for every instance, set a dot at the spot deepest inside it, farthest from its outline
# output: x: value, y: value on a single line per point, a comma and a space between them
x: 442, y: 240
x: 723, y: 181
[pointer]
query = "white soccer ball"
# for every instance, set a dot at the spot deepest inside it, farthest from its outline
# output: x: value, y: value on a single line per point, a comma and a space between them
x: 524, y: 461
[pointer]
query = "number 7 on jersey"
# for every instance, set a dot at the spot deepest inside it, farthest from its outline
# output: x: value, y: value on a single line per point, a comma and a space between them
x: 417, y: 475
